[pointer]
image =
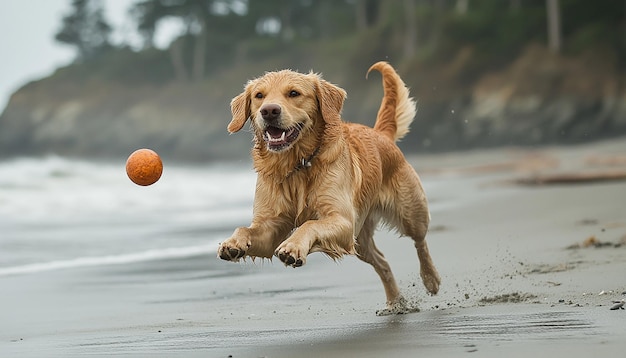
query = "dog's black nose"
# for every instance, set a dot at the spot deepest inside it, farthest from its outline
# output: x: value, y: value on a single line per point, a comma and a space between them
x: 270, y: 112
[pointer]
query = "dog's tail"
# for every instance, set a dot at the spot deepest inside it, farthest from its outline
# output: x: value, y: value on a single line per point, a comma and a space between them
x: 397, y: 109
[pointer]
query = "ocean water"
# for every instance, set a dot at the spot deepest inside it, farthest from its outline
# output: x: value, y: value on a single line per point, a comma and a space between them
x: 59, y: 213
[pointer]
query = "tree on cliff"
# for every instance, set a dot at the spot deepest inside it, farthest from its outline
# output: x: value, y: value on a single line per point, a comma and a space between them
x: 195, y: 15
x: 217, y: 31
x: 85, y: 28
x: 217, y: 34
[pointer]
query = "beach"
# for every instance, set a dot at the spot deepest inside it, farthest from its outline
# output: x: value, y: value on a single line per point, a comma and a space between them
x: 528, y: 268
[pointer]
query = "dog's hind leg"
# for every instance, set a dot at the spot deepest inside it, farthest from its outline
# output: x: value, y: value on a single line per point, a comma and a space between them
x: 413, y: 218
x: 368, y: 252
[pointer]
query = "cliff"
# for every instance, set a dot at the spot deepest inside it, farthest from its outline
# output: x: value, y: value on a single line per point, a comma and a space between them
x: 109, y: 119
x: 539, y: 98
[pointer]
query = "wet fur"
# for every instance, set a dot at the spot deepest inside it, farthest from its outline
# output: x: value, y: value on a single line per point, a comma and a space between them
x: 357, y: 177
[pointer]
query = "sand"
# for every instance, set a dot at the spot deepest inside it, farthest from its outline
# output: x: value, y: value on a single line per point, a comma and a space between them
x: 521, y: 276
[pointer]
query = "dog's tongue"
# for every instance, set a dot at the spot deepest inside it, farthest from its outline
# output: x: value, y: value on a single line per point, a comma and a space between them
x: 275, y: 133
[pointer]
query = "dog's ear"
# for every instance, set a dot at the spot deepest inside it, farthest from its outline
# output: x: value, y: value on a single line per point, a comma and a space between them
x: 330, y: 99
x: 240, y: 109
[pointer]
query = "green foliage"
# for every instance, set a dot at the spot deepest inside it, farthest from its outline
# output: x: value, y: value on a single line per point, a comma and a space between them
x: 223, y: 33
x: 496, y: 31
x: 600, y: 25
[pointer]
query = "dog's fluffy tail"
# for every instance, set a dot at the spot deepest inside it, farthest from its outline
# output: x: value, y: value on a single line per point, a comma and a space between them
x: 397, y: 109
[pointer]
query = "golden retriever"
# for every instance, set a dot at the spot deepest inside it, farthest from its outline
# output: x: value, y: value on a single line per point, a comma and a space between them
x: 324, y: 184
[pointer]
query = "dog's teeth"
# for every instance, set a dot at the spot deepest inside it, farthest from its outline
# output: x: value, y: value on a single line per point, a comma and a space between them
x: 273, y: 139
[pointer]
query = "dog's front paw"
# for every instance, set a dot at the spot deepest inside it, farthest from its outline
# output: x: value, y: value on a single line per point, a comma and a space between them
x: 230, y: 253
x: 290, y: 255
x: 233, y: 249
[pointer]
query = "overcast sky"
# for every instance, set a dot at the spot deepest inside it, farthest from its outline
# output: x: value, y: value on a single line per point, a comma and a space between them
x: 28, y: 50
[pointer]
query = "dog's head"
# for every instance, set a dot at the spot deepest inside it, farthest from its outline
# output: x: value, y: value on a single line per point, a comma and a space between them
x: 284, y: 105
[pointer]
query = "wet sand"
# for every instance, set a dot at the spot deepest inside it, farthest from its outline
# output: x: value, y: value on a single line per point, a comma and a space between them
x: 519, y: 278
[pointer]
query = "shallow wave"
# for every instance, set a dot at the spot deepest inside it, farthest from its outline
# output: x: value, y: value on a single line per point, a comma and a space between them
x: 58, y: 213
x: 128, y: 258
x: 37, y: 188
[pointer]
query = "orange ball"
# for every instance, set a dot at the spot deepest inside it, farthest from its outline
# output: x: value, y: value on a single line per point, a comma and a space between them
x: 144, y: 167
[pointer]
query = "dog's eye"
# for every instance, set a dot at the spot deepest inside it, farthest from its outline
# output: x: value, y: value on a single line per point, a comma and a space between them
x: 293, y: 93
x: 258, y: 95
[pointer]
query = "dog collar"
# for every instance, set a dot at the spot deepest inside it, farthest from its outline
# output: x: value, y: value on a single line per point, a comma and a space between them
x: 305, y: 163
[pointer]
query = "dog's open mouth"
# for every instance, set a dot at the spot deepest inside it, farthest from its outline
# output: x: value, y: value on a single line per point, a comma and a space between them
x: 278, y: 139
